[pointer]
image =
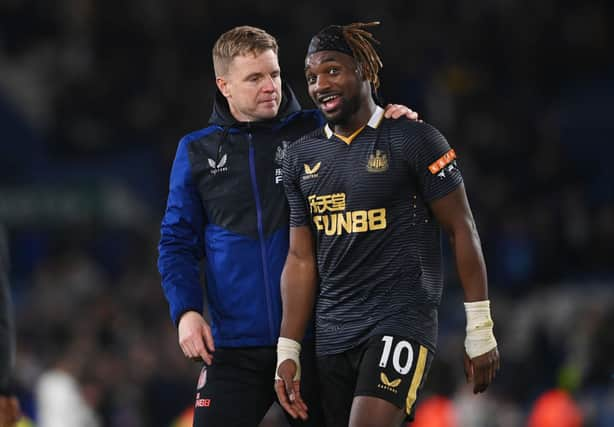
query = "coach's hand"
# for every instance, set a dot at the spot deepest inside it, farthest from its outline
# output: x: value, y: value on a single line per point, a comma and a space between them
x: 395, y: 111
x: 289, y: 390
x: 481, y: 370
x: 195, y: 337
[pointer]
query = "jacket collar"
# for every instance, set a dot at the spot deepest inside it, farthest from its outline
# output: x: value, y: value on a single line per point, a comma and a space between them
x: 221, y: 115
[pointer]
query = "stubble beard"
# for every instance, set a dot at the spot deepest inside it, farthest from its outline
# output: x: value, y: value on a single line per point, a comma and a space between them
x: 348, y: 109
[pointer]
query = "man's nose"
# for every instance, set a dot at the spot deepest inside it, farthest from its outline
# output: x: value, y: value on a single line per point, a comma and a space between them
x: 322, y: 83
x: 269, y: 85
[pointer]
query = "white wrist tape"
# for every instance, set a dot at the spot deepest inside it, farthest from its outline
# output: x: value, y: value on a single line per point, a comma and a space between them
x: 288, y: 349
x: 480, y: 338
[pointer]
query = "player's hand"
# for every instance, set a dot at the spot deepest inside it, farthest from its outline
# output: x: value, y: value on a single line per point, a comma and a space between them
x: 394, y: 111
x: 195, y: 338
x: 9, y: 411
x: 289, y: 391
x: 481, y: 370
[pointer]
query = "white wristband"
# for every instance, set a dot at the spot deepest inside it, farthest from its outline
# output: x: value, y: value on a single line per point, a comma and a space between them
x: 288, y: 349
x: 480, y: 338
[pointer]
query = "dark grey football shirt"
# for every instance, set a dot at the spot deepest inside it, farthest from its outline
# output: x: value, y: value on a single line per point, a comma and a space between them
x: 377, y: 244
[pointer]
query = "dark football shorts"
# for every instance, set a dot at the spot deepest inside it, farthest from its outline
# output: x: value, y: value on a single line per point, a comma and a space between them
x: 389, y: 367
x: 237, y: 389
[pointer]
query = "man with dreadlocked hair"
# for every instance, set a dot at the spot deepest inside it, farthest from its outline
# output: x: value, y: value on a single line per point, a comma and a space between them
x: 368, y: 197
x: 226, y: 204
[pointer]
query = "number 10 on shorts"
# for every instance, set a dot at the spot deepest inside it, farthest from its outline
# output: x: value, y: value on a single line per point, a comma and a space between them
x: 398, y: 354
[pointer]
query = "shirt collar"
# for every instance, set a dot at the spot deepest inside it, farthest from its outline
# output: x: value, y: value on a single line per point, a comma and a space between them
x: 374, y: 121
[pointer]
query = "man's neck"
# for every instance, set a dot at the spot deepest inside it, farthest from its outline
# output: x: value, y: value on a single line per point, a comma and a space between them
x: 358, y: 120
x: 238, y: 116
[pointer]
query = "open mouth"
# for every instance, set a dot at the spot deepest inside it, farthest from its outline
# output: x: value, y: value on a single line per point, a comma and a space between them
x: 329, y: 103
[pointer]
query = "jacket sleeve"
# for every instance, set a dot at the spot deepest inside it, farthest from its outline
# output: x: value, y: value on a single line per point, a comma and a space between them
x: 7, y: 325
x: 181, y: 239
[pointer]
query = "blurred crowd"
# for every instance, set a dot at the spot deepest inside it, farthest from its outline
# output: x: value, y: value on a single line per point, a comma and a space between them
x: 94, y: 96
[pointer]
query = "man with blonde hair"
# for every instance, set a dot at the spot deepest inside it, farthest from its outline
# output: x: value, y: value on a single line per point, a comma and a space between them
x: 226, y: 203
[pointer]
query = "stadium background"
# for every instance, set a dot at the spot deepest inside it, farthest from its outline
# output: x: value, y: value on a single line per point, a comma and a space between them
x: 94, y: 96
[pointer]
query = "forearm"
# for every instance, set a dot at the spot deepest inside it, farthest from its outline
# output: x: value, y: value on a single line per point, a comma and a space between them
x: 472, y: 273
x: 179, y: 266
x: 470, y: 263
x: 298, y: 292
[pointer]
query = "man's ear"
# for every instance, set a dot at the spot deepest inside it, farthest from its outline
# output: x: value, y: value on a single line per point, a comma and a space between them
x: 222, y: 85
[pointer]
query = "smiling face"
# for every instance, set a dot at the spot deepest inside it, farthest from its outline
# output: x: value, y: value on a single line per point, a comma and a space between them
x: 335, y: 85
x: 252, y: 86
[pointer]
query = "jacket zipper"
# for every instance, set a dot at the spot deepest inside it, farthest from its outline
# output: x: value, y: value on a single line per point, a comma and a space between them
x: 265, y: 267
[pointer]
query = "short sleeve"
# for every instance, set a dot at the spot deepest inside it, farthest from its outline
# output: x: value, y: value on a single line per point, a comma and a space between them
x: 299, y: 214
x: 433, y: 161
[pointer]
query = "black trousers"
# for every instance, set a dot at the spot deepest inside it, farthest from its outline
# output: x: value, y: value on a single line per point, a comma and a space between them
x: 237, y: 389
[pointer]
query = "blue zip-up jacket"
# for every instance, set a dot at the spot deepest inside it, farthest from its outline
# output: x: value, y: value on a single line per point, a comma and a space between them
x: 226, y: 202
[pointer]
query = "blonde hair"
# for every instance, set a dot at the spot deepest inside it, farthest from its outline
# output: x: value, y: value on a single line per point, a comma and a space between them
x: 361, y: 43
x: 240, y: 41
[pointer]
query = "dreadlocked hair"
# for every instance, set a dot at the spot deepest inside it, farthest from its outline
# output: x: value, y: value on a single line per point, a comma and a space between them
x: 361, y: 42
